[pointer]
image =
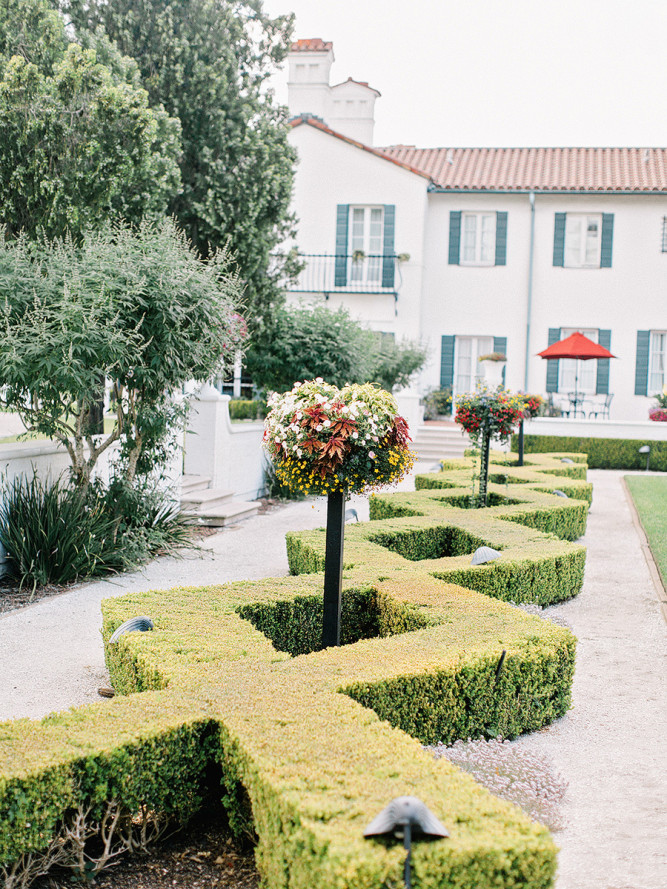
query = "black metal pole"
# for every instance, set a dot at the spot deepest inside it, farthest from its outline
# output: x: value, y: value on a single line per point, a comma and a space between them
x: 484, y: 468
x: 333, y: 569
x: 520, y: 463
x: 407, y: 844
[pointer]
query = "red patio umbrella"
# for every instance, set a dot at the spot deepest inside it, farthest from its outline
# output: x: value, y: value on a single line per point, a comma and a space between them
x: 576, y: 345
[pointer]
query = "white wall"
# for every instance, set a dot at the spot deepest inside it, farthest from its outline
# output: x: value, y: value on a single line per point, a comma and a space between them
x: 330, y: 171
x: 492, y: 301
x: 230, y: 454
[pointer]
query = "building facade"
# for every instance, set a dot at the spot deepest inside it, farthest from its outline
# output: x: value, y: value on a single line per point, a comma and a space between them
x: 474, y: 250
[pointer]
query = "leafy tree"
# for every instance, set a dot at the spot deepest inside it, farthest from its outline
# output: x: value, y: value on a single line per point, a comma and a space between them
x: 137, y: 307
x: 80, y: 142
x: 207, y: 62
x: 304, y: 343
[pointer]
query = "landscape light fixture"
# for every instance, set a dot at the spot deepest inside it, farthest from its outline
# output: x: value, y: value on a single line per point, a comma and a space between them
x: 646, y: 449
x: 404, y: 816
x: 566, y: 460
x: 134, y: 623
x: 484, y: 554
x: 351, y: 515
x: 559, y: 493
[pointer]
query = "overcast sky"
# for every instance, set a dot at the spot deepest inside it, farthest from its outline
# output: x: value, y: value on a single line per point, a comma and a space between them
x: 499, y: 72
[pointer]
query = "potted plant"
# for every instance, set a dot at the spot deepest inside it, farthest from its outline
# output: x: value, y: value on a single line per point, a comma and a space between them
x: 325, y: 440
x: 492, y: 366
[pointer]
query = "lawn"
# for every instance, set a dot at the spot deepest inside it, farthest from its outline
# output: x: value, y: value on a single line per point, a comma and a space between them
x: 650, y: 497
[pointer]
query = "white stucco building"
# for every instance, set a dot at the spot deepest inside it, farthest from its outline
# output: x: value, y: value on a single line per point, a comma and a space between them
x: 473, y: 250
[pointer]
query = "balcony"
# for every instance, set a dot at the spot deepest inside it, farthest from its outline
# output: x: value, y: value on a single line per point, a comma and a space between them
x: 354, y: 273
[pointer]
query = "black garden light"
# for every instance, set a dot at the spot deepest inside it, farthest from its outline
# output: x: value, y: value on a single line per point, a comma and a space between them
x: 646, y: 449
x: 134, y: 623
x: 404, y: 816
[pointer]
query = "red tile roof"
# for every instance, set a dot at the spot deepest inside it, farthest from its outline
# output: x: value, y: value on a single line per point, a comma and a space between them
x: 311, y: 44
x: 359, y: 83
x: 318, y: 124
x: 540, y: 169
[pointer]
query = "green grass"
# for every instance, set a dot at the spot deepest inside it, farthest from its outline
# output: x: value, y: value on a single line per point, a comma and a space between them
x: 650, y: 497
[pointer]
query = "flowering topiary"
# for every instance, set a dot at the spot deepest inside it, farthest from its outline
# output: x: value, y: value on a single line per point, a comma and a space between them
x: 532, y: 405
x: 322, y: 439
x: 489, y: 412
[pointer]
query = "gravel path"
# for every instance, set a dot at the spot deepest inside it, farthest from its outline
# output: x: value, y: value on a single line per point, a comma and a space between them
x: 611, y: 747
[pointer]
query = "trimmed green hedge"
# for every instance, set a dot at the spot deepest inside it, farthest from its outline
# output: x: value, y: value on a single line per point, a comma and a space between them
x: 310, y: 745
x: 601, y: 453
x: 245, y: 409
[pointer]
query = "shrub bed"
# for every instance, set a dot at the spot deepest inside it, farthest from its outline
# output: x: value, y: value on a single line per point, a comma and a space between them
x: 602, y: 453
x: 311, y: 745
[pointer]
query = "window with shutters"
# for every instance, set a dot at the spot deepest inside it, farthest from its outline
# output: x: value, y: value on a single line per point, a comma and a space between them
x: 656, y: 362
x: 573, y: 373
x: 583, y: 240
x: 365, y: 245
x: 466, y: 364
x: 478, y: 239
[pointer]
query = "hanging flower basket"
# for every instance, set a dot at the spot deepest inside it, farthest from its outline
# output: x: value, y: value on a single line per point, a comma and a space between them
x: 532, y: 403
x: 491, y: 412
x: 322, y: 439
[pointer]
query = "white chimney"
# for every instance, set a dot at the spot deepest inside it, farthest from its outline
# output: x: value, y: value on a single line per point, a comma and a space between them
x: 309, y: 71
x: 348, y: 107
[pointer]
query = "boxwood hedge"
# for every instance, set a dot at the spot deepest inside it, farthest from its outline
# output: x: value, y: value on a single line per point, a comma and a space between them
x: 601, y: 453
x: 310, y: 745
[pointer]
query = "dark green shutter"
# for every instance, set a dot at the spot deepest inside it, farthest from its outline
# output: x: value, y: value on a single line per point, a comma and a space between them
x: 559, y: 241
x: 607, y: 240
x: 552, y: 363
x: 388, y: 258
x: 602, y: 382
x: 500, y: 345
x: 454, y: 236
x: 447, y: 362
x: 342, y: 217
x: 641, y: 364
x: 501, y: 238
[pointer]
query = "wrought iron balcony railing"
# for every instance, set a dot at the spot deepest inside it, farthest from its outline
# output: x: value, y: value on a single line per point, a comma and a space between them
x: 347, y: 273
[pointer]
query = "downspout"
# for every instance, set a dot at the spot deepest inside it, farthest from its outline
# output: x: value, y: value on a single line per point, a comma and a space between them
x: 529, y: 306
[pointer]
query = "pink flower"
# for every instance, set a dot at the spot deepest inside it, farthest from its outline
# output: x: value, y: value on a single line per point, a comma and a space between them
x: 371, y: 454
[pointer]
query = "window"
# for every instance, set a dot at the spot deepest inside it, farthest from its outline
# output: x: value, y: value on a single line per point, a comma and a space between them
x: 663, y: 247
x: 366, y: 227
x: 574, y: 374
x: 582, y: 240
x: 656, y: 362
x: 478, y: 239
x: 468, y: 350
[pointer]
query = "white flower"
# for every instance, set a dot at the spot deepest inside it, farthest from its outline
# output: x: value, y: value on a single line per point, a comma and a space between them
x: 299, y: 415
x: 278, y: 439
x: 371, y: 454
x: 355, y: 435
x: 318, y: 428
x: 327, y: 423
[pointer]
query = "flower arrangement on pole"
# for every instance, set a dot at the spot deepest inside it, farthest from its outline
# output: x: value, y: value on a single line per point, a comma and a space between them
x: 325, y: 440
x: 488, y: 414
x: 659, y: 413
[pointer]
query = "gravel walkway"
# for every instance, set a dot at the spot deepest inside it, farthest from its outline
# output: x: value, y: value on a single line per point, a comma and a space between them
x: 611, y: 747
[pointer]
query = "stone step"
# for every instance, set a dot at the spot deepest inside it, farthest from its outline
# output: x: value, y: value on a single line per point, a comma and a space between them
x: 190, y: 483
x: 438, y: 453
x: 196, y: 502
x: 228, y: 513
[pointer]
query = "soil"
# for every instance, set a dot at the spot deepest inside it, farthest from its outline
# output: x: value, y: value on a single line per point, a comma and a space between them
x: 12, y: 596
x: 203, y: 856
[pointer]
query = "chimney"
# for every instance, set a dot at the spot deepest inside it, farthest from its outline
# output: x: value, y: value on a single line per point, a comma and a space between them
x: 348, y: 107
x: 309, y: 71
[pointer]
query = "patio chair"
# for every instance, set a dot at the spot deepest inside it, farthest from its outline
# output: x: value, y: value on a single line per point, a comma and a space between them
x: 601, y: 409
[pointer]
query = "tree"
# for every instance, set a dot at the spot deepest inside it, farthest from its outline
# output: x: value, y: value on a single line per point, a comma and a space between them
x: 137, y: 307
x: 207, y: 62
x: 305, y: 343
x: 80, y: 141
